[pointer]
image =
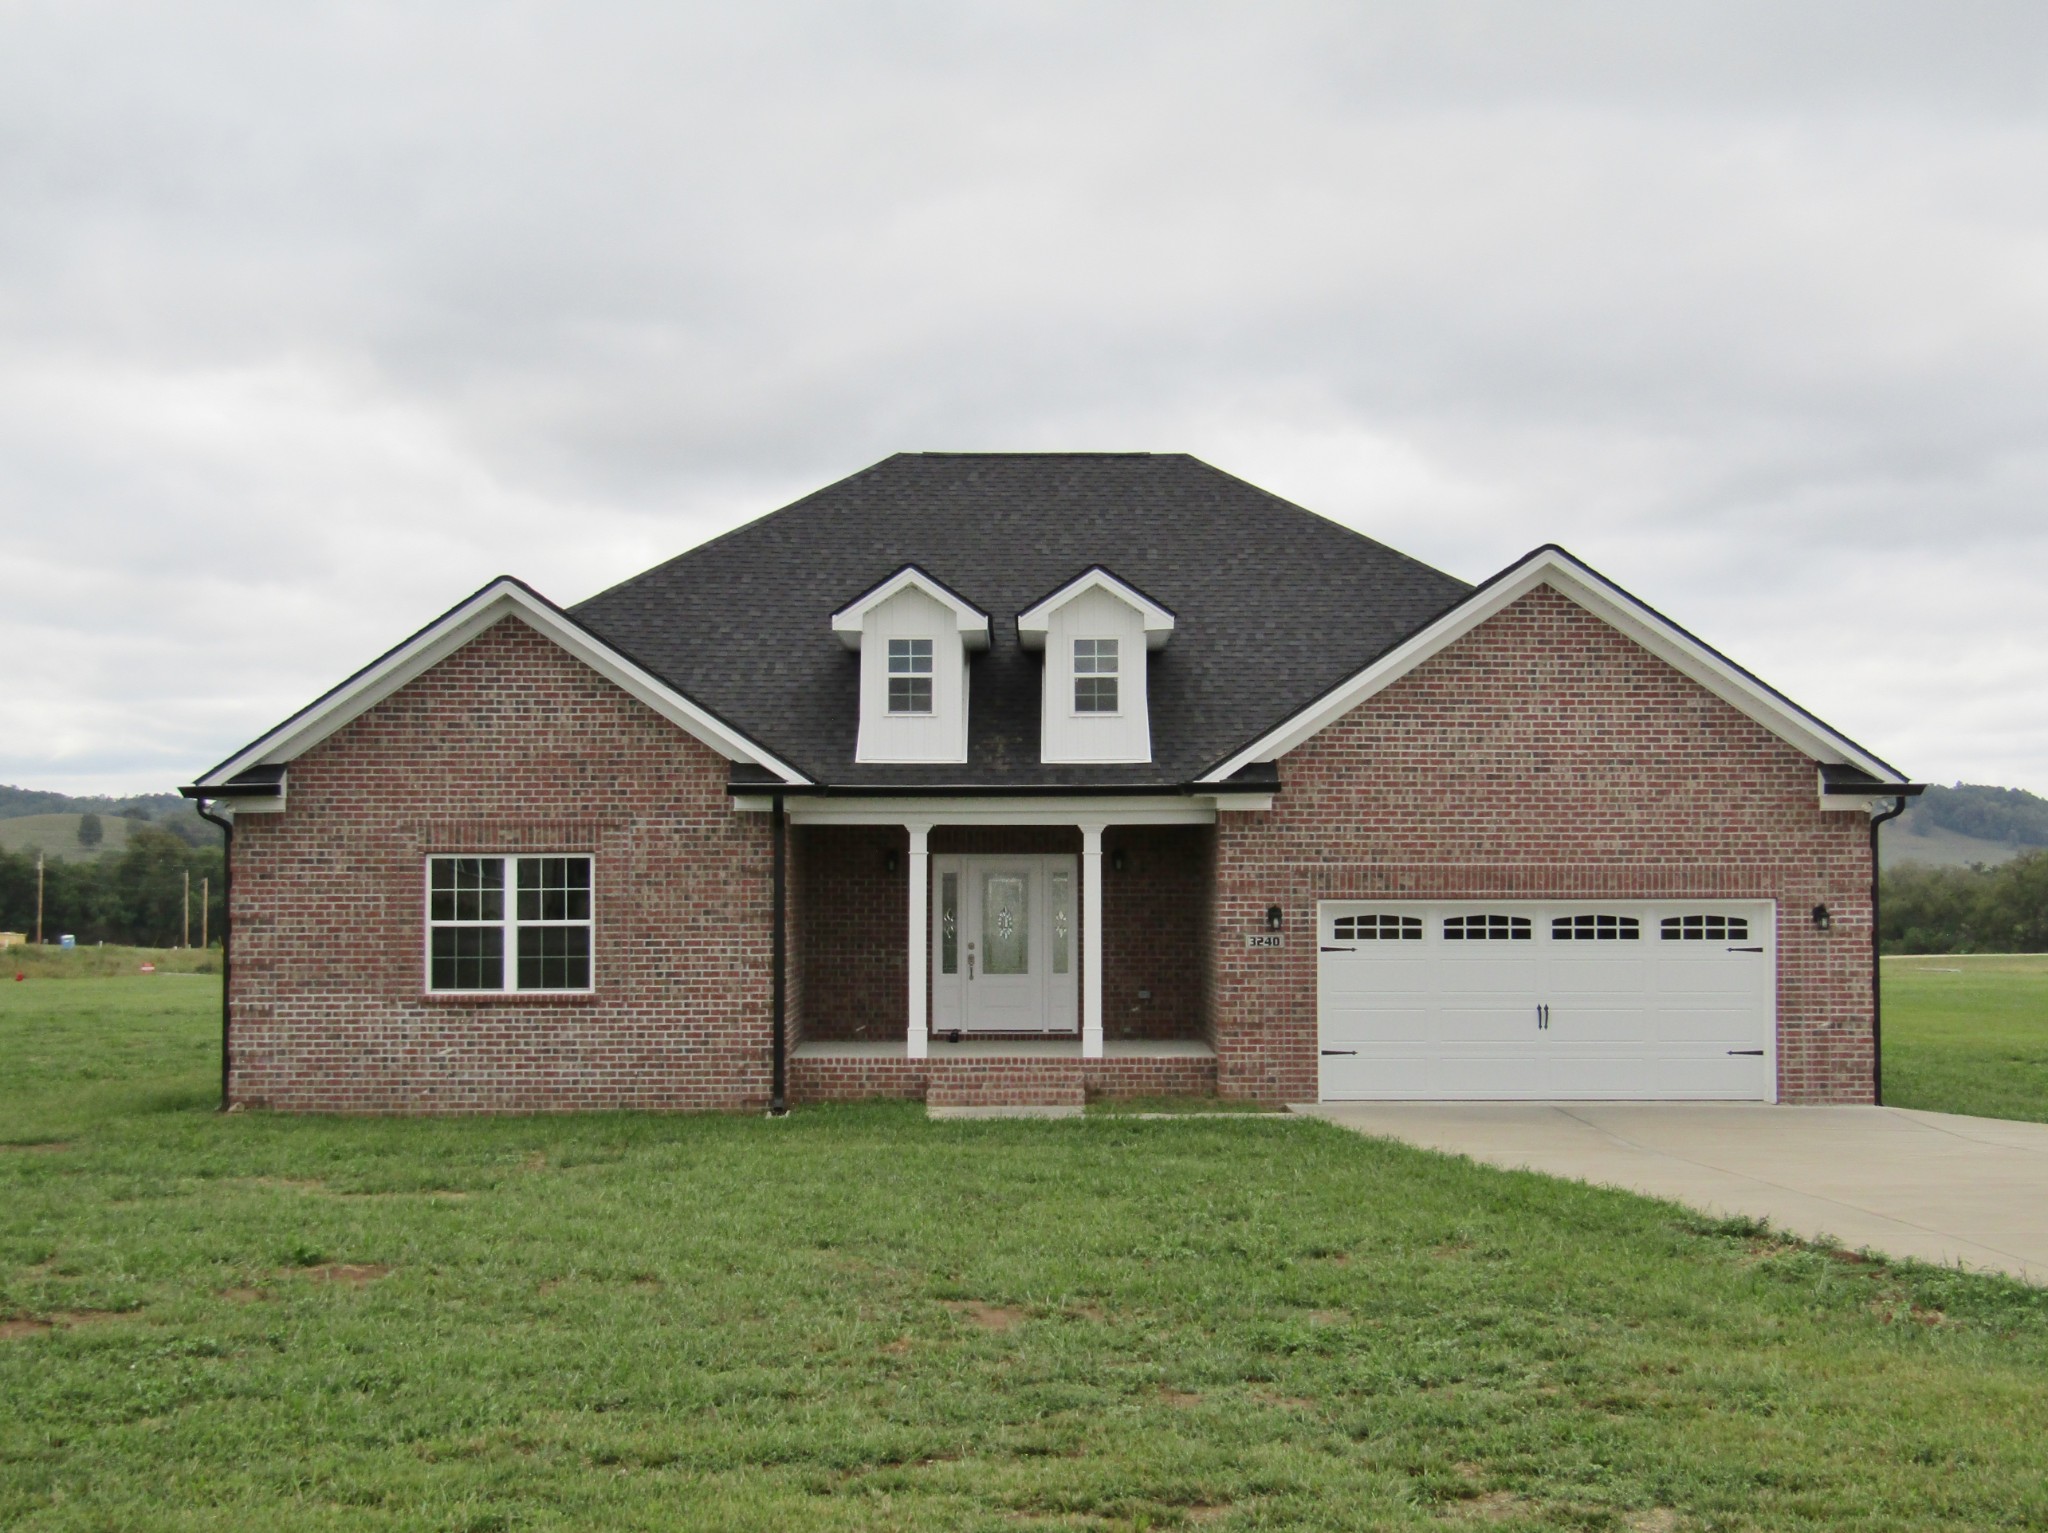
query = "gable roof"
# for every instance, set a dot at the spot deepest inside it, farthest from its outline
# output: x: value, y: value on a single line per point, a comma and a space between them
x: 1274, y: 605
x: 1034, y: 621
x: 850, y: 621
x: 1552, y: 566
x: 502, y: 598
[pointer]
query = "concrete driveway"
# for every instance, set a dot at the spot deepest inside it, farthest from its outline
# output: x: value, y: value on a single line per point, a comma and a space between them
x: 1929, y: 1185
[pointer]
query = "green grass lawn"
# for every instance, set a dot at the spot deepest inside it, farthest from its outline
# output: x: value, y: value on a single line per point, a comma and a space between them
x: 1967, y: 1035
x: 856, y: 1319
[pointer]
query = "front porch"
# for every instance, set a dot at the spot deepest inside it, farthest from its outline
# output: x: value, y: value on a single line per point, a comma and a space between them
x: 1091, y: 940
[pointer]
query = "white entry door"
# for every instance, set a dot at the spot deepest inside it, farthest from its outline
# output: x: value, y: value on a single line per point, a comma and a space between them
x: 1514, y: 999
x: 1005, y: 944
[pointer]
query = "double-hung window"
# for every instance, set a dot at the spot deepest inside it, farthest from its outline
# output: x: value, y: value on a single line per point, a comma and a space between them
x: 508, y: 923
x: 1095, y: 676
x: 910, y: 675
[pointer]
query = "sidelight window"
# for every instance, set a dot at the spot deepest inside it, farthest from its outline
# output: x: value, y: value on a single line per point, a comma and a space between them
x: 508, y: 924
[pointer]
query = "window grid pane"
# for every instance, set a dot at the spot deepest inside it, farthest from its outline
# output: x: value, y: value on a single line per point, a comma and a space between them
x: 554, y: 958
x: 554, y: 889
x: 469, y: 958
x: 468, y: 889
x: 1094, y: 694
x: 910, y: 694
x: 1704, y: 929
x: 910, y: 657
x: 1487, y: 928
x: 1095, y: 657
x: 1595, y: 928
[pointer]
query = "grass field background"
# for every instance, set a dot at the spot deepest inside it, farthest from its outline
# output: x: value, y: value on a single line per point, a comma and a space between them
x: 1967, y: 1034
x: 857, y: 1319
x: 57, y: 836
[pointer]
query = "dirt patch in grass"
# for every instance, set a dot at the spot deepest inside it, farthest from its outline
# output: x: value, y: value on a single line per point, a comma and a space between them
x: 244, y: 1295
x: 40, y: 1147
x: 1659, y: 1519
x: 67, y: 1320
x: 1180, y: 1397
x: 990, y: 1317
x: 1492, y: 1506
x: 1329, y: 1317
x: 346, y: 1274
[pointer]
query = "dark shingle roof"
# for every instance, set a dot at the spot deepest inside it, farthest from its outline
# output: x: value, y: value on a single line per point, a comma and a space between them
x: 1274, y: 605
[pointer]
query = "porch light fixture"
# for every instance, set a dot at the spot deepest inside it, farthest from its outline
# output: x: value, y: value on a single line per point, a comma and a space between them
x: 1272, y: 918
x: 1116, y: 859
x: 889, y: 861
x: 1822, y: 920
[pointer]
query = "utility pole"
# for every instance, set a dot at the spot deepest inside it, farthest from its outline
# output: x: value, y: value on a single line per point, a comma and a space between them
x: 185, y: 937
x: 204, y: 897
x: 39, y: 899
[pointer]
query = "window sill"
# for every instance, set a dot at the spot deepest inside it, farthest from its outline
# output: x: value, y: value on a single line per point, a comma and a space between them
x: 509, y: 997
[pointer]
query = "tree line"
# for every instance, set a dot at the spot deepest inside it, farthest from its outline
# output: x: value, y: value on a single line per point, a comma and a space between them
x: 134, y: 897
x: 1966, y: 910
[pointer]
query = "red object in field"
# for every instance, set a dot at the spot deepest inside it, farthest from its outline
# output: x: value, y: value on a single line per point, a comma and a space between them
x: 19, y: 976
x: 149, y: 968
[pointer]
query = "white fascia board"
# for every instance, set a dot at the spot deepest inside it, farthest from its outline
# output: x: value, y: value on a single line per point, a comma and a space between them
x: 1612, y: 605
x: 1033, y: 622
x: 1110, y: 809
x: 431, y: 645
x: 849, y: 621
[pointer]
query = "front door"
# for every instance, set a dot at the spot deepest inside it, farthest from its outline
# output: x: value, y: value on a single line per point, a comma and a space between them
x: 1005, y: 944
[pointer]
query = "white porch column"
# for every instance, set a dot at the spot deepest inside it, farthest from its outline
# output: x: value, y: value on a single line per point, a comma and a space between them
x: 1091, y: 939
x: 919, y: 1034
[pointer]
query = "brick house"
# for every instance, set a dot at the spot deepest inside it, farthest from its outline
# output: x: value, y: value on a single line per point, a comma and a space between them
x: 988, y: 778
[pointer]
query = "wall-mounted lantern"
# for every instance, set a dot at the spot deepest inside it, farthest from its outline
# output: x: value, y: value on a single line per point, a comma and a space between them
x: 1823, y: 921
x: 889, y: 861
x: 1272, y: 918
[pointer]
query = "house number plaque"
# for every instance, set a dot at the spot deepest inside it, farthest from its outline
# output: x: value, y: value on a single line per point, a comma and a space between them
x: 1262, y: 939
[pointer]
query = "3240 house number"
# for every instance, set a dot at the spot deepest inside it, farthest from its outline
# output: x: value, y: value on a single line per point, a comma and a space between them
x: 1262, y: 939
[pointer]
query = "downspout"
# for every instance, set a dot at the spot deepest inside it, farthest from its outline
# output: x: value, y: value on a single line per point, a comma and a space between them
x: 227, y: 917
x: 778, y: 1091
x: 1877, y: 961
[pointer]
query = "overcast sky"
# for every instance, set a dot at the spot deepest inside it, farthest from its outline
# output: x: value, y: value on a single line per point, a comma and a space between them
x: 314, y: 318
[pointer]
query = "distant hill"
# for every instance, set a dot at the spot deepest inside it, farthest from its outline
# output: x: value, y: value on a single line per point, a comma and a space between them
x: 1968, y: 823
x: 56, y: 836
x: 173, y: 813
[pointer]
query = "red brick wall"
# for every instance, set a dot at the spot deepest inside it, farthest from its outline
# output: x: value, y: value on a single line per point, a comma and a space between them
x: 853, y: 935
x: 817, y: 1079
x: 1153, y: 931
x: 508, y: 745
x: 1543, y: 756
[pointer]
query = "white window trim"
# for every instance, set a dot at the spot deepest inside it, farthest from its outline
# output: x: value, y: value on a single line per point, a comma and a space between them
x: 1074, y: 679
x: 509, y: 924
x: 930, y: 676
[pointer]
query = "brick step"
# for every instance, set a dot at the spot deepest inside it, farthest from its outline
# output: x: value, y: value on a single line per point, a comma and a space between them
x: 998, y: 1082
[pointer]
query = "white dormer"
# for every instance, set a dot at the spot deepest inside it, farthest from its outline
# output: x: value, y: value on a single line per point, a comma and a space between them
x: 913, y: 636
x: 1095, y: 632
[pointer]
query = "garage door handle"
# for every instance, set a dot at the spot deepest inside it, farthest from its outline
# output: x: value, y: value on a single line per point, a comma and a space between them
x: 1745, y: 950
x: 1758, y: 1053
x: 1328, y: 1052
x: 1340, y: 950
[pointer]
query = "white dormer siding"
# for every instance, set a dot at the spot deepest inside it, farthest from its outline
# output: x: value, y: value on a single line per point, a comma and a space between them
x: 1096, y: 632
x: 913, y: 631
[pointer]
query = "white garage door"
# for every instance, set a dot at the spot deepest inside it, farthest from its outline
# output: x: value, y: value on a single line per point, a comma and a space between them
x: 1518, y: 999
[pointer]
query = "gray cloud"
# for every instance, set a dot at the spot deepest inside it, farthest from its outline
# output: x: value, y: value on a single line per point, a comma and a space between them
x: 314, y: 318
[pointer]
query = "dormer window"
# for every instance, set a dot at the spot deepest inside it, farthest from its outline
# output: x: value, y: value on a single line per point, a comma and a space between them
x: 913, y: 636
x: 1097, y: 632
x: 1095, y: 676
x: 910, y: 676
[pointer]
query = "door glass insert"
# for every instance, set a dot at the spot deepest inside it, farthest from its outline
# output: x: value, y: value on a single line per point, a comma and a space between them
x: 949, y: 923
x: 1059, y: 891
x: 1006, y: 923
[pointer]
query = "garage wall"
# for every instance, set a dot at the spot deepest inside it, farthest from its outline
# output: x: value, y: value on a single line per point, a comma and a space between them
x: 1544, y: 755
